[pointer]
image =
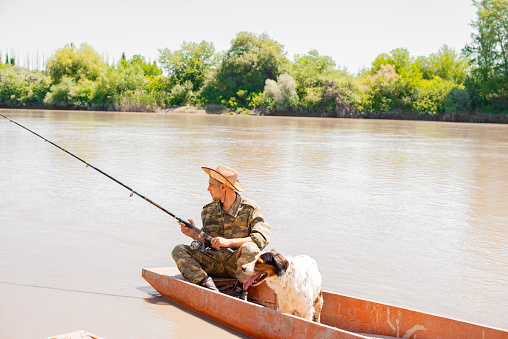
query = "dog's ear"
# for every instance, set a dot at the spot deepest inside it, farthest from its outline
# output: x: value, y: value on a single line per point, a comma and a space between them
x: 276, y: 260
x: 281, y: 264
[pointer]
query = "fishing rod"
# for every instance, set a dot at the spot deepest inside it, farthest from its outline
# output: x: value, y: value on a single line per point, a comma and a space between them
x: 206, y: 237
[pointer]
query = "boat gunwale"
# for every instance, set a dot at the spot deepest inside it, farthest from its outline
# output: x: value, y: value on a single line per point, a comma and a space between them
x: 332, y: 321
x: 292, y: 323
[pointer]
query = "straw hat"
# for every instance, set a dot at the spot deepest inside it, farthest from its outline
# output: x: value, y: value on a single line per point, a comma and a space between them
x: 226, y: 176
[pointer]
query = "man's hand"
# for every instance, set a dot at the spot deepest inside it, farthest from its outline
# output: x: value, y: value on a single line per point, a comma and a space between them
x: 219, y: 242
x: 187, y: 230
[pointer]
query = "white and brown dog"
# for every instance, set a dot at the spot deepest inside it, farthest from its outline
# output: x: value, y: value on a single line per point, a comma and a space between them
x: 296, y: 282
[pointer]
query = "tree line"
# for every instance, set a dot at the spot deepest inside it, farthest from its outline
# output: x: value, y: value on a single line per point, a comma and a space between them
x: 256, y: 74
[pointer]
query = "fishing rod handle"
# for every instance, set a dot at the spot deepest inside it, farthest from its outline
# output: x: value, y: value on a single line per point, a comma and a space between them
x: 205, y: 235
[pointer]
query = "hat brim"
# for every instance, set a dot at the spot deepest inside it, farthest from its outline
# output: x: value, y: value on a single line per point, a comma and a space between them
x: 217, y: 176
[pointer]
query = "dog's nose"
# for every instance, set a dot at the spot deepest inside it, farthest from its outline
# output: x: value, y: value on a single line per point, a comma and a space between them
x: 243, y: 269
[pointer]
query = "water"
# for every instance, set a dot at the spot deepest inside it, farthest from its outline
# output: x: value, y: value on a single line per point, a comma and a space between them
x: 402, y: 212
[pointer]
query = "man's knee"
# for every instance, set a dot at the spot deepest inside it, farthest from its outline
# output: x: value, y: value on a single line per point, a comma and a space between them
x: 187, y: 264
x: 249, y: 249
x: 179, y: 252
x: 247, y: 253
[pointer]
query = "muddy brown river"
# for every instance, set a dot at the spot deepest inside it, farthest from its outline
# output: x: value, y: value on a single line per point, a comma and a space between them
x: 408, y: 213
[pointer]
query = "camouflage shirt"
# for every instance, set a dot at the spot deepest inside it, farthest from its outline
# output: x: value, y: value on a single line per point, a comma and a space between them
x: 244, y: 219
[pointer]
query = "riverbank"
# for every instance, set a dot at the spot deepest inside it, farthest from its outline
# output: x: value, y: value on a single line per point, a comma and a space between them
x: 467, y: 116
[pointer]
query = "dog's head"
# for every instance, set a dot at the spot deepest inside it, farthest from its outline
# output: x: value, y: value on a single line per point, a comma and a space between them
x: 266, y: 265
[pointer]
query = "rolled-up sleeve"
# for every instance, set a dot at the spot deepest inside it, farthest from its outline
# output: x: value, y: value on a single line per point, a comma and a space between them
x: 260, y: 230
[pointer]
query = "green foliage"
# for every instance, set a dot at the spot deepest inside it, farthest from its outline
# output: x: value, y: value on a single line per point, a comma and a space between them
x: 403, y: 64
x: 148, y: 69
x: 283, y: 92
x: 8, y: 62
x: 250, y: 60
x: 489, y: 54
x: 13, y: 87
x: 399, y: 81
x: 65, y: 91
x: 320, y: 84
x: 258, y: 100
x: 79, y: 64
x: 128, y: 77
x: 243, y: 111
x: 342, y: 89
x: 457, y: 100
x: 21, y: 85
x: 181, y: 94
x: 255, y: 72
x: 385, y: 90
x: 191, y: 63
x: 312, y: 70
x: 446, y: 64
x: 311, y: 98
x: 139, y: 101
x: 429, y: 95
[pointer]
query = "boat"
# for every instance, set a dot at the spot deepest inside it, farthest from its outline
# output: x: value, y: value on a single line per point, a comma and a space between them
x: 341, y: 317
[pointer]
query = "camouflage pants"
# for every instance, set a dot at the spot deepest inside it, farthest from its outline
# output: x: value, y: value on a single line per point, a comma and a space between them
x: 196, y: 266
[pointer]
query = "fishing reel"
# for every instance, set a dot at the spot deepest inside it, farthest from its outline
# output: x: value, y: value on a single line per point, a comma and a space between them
x: 206, y: 246
x: 197, y: 246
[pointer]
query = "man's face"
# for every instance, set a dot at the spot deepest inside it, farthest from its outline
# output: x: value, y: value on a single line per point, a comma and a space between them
x: 215, y: 189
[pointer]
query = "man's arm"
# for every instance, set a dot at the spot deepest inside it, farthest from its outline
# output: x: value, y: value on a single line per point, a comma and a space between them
x: 219, y: 242
x: 260, y: 233
x: 260, y: 230
x: 190, y: 232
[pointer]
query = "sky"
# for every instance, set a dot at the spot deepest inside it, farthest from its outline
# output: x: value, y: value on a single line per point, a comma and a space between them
x: 351, y: 32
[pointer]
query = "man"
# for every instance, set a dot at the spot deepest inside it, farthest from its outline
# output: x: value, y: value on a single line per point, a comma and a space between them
x: 234, y: 222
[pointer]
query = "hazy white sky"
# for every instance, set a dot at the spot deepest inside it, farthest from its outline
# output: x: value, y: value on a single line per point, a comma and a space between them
x: 352, y: 32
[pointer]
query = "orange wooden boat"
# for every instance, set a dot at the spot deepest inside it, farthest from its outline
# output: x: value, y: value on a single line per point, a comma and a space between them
x: 341, y: 317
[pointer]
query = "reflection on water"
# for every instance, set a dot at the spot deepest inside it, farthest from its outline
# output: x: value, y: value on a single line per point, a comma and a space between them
x: 407, y: 213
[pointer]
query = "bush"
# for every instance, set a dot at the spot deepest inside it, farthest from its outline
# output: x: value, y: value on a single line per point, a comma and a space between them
x: 63, y: 92
x: 21, y: 85
x: 243, y: 111
x: 181, y: 94
x: 13, y: 86
x: 138, y: 101
x: 311, y: 98
x: 258, y: 99
x: 128, y: 78
x: 283, y: 92
x: 247, y: 64
x: 67, y: 91
x: 79, y: 64
x: 457, y: 100
x: 343, y: 91
x: 429, y: 95
x: 385, y: 90
x: 39, y: 87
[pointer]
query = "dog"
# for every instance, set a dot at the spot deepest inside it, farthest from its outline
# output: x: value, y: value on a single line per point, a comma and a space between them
x: 295, y: 280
